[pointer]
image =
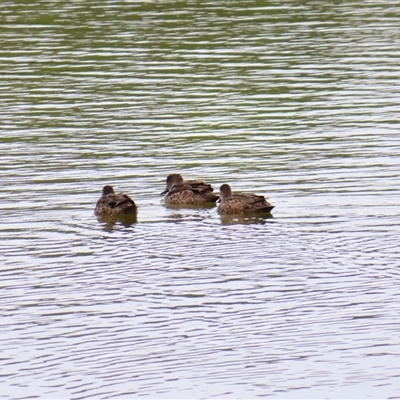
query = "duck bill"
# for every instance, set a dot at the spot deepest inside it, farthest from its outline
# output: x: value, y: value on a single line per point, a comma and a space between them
x: 165, y: 191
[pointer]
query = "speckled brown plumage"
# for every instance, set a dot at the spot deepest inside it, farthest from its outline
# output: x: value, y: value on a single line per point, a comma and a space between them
x: 183, y: 192
x: 112, y: 204
x: 241, y: 203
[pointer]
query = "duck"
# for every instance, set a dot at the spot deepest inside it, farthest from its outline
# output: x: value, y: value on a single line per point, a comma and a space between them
x: 180, y: 192
x: 242, y: 203
x: 112, y: 204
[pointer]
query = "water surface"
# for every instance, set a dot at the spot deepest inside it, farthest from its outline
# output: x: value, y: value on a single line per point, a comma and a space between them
x: 294, y: 100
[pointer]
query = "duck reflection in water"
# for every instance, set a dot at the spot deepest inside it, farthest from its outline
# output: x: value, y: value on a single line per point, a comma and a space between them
x: 246, y: 219
x: 118, y: 222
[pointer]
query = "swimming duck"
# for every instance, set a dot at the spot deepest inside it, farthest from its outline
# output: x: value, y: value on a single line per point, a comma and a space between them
x: 241, y: 203
x: 183, y: 192
x: 112, y: 204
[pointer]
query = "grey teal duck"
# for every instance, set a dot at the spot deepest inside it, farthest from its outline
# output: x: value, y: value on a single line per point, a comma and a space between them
x: 113, y: 205
x: 180, y: 192
x: 241, y: 203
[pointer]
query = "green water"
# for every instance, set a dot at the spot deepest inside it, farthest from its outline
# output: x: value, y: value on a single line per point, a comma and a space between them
x: 294, y: 100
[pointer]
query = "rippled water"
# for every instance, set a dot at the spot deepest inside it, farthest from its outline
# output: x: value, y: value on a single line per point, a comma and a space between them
x: 295, y: 100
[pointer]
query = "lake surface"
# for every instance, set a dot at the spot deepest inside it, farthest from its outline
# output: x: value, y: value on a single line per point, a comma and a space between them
x: 298, y: 101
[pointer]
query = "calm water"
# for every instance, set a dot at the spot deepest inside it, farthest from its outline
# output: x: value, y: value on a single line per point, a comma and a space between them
x: 295, y: 100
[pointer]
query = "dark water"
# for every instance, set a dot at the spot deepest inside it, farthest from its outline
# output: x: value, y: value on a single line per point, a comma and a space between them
x: 295, y: 100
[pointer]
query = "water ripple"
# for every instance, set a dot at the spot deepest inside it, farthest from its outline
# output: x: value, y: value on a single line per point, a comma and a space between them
x: 297, y: 102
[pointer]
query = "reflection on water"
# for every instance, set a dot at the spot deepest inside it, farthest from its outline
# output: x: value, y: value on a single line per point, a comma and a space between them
x: 298, y: 102
x: 110, y: 221
x: 204, y: 206
x: 245, y: 219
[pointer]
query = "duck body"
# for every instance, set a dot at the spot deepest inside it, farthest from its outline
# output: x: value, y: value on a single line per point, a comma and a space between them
x: 180, y: 192
x: 242, y: 203
x: 112, y: 204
